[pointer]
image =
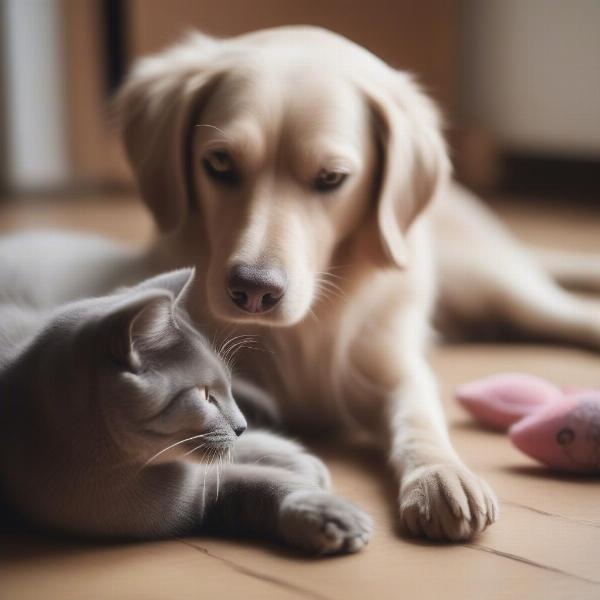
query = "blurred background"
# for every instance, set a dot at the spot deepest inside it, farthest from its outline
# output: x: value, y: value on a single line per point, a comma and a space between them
x: 519, y: 82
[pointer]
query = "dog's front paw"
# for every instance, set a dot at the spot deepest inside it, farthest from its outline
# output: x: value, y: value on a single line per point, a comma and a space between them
x: 321, y: 523
x: 446, y: 502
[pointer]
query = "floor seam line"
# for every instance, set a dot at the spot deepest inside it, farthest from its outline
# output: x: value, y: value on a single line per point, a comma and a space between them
x: 527, y: 561
x: 256, y: 574
x: 584, y: 522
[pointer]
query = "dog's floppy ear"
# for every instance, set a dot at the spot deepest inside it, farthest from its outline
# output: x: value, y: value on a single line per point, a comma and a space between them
x: 154, y: 111
x: 414, y: 160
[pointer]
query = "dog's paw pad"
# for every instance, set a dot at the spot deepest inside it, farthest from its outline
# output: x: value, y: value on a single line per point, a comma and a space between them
x: 321, y: 523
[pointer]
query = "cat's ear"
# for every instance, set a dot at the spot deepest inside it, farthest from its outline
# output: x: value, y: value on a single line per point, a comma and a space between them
x: 140, y: 325
x: 177, y: 282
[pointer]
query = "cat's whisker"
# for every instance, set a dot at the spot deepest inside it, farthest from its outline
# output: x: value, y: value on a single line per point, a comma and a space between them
x: 211, y: 463
x: 233, y: 363
x: 218, y: 477
x: 204, y: 488
x: 225, y: 347
x: 193, y: 450
x: 223, y: 332
x: 234, y: 348
x: 155, y: 456
x: 229, y: 360
x: 249, y: 344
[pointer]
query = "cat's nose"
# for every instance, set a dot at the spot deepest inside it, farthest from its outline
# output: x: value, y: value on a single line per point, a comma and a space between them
x: 239, y: 429
x: 256, y: 289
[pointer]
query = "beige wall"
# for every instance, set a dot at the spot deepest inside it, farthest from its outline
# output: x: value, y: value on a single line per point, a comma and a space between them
x: 531, y: 73
x: 419, y: 35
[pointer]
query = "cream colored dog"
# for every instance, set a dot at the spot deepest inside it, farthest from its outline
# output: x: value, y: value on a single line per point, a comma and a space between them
x: 294, y: 169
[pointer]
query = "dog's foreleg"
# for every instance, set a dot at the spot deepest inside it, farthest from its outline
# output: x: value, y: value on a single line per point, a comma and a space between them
x: 440, y: 498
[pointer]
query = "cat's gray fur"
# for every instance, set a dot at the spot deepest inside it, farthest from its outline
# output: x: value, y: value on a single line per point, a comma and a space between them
x: 92, y: 391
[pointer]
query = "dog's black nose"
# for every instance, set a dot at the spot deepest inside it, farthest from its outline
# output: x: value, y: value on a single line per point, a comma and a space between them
x: 256, y: 289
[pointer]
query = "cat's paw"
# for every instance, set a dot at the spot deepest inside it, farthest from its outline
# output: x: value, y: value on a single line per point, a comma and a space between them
x: 321, y: 523
x: 446, y: 502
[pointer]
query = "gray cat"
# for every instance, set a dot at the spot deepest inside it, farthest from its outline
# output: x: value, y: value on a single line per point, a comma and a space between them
x: 107, y: 404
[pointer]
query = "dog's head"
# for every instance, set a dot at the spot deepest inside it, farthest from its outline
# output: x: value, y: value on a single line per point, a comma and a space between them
x: 276, y: 148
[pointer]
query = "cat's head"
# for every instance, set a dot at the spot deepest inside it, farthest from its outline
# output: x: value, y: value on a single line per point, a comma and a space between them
x: 148, y: 376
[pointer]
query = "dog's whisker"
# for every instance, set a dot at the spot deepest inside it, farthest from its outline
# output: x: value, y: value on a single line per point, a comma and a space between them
x: 328, y: 274
x: 331, y: 286
x: 338, y: 267
x: 322, y: 293
x: 228, y: 138
x: 313, y: 314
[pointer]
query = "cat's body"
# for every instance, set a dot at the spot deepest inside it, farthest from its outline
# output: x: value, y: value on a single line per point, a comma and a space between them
x: 92, y: 393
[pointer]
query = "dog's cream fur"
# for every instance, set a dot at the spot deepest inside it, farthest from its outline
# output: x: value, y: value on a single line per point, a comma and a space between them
x: 346, y: 344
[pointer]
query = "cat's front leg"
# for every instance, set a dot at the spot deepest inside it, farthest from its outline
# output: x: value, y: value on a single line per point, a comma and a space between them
x: 269, y: 449
x: 278, y: 504
x: 440, y: 498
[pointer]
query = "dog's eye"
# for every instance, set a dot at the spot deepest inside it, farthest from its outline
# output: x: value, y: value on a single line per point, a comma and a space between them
x: 329, y: 180
x: 219, y: 165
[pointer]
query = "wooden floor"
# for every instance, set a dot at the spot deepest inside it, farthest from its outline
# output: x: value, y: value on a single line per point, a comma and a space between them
x: 546, y: 544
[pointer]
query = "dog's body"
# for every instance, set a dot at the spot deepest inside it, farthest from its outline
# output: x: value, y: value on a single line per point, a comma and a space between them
x: 293, y: 168
x: 310, y: 182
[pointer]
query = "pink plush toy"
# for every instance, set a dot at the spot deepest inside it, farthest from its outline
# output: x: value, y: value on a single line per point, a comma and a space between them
x: 565, y: 435
x: 560, y: 428
x: 499, y: 401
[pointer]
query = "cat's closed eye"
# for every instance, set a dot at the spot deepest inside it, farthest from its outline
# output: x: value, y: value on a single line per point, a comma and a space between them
x: 207, y: 395
x: 193, y: 397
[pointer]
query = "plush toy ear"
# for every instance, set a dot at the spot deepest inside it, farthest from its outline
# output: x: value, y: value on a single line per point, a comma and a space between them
x: 414, y: 161
x: 140, y: 324
x: 155, y: 111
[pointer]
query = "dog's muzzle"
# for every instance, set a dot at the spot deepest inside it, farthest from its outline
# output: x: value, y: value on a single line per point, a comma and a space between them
x: 256, y: 289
